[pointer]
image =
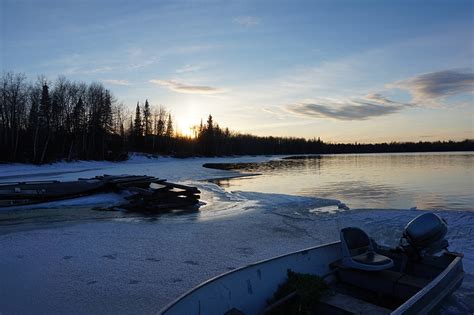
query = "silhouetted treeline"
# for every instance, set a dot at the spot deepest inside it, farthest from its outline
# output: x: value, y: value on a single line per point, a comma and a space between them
x: 212, y: 140
x: 42, y: 122
x: 45, y: 121
x: 399, y: 147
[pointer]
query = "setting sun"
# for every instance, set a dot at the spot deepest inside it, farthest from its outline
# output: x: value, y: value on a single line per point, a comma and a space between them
x: 185, y: 129
x: 187, y: 120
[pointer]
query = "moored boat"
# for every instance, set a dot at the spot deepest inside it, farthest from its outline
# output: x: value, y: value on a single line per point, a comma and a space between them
x: 364, y: 278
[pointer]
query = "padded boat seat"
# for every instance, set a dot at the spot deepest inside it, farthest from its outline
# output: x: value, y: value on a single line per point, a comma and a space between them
x: 358, y: 251
x: 372, y: 259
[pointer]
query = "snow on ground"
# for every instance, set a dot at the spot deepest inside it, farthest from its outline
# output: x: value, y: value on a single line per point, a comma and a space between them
x: 135, y: 264
x: 172, y: 169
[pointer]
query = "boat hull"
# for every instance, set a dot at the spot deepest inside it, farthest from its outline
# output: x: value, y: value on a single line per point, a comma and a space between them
x: 247, y: 289
x: 49, y: 189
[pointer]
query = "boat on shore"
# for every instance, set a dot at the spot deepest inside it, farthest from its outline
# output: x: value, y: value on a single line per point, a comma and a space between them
x: 148, y: 193
x: 31, y: 192
x: 363, y: 277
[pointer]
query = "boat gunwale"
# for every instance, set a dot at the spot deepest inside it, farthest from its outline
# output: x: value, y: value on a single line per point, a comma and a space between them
x: 189, y: 292
x: 427, y: 288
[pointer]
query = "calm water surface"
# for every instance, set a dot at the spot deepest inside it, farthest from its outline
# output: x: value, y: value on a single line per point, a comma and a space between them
x: 397, y: 181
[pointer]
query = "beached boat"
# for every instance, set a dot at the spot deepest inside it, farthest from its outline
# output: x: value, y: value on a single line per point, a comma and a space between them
x: 363, y: 278
x: 21, y: 193
x: 149, y: 194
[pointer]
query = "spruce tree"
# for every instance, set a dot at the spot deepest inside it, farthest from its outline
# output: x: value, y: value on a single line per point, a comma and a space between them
x: 169, y: 127
x: 210, y: 124
x: 147, y: 118
x: 160, y: 124
x: 138, y: 128
x: 208, y: 136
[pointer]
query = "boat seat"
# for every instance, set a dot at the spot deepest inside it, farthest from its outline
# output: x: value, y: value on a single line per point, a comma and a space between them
x: 358, y: 251
x: 372, y: 259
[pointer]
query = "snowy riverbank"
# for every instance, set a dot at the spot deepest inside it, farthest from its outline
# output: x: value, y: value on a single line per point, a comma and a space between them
x: 139, y: 264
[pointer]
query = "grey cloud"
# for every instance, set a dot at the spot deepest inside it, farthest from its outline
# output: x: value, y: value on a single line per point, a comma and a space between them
x: 184, y: 88
x: 379, y: 98
x: 350, y: 110
x: 437, y: 84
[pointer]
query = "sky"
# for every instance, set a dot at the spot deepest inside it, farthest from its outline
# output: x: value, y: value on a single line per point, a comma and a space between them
x: 344, y: 71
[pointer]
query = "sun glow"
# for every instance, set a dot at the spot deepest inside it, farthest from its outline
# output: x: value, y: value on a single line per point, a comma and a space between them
x: 185, y: 128
x: 187, y: 121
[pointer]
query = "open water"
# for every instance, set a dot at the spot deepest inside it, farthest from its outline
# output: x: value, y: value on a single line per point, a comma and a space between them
x: 430, y: 181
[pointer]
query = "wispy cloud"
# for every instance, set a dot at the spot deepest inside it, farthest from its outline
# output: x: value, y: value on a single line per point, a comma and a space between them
x: 83, y: 64
x: 191, y: 49
x: 189, y: 68
x: 435, y: 85
x: 373, y: 105
x: 185, y: 88
x: 247, y: 21
x: 88, y: 70
x: 138, y: 59
x: 117, y: 82
x: 142, y: 64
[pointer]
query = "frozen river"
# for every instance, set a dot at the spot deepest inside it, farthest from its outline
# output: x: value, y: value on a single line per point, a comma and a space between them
x: 64, y: 257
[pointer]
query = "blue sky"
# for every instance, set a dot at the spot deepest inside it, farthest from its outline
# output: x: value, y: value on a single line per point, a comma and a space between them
x: 365, y: 71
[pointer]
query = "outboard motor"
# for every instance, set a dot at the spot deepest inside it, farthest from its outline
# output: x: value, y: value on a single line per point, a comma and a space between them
x: 425, y: 234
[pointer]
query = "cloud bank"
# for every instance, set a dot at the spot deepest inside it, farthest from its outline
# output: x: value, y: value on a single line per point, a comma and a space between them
x: 425, y: 87
x: 184, y: 88
x: 373, y: 105
x: 438, y: 84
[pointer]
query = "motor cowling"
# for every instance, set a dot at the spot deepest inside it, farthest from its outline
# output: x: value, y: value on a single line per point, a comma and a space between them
x: 426, y: 233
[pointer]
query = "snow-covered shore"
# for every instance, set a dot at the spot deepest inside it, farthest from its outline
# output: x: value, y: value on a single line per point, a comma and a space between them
x: 139, y: 264
x: 173, y: 169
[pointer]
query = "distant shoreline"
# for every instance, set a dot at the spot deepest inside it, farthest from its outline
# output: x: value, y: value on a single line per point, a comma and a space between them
x: 283, y: 156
